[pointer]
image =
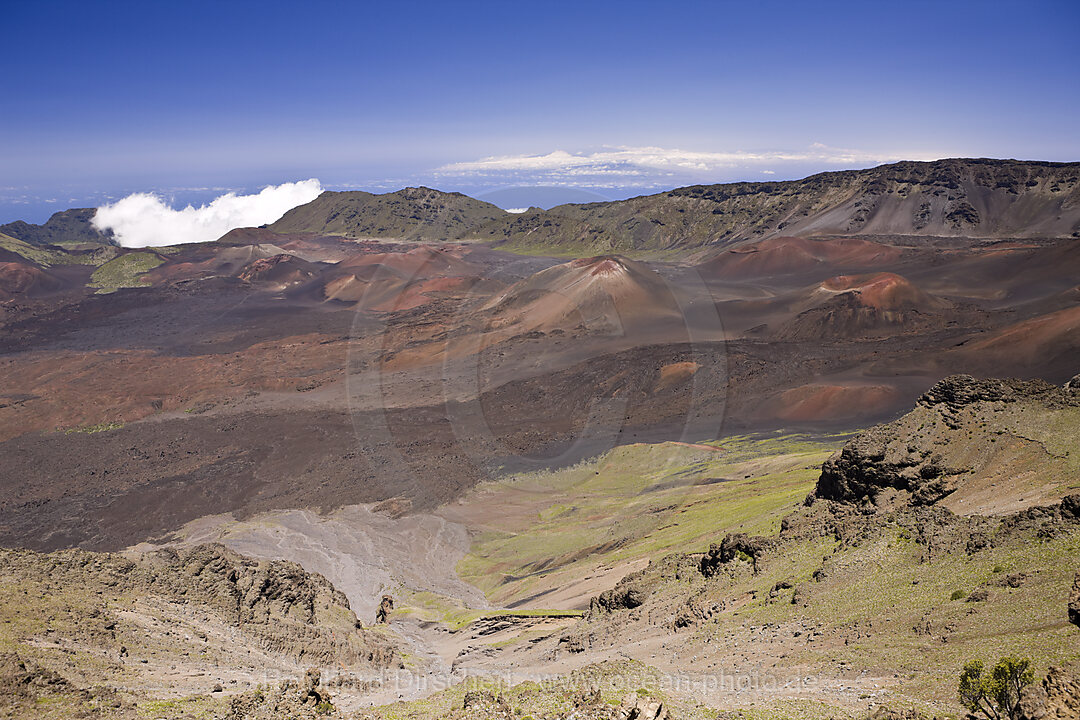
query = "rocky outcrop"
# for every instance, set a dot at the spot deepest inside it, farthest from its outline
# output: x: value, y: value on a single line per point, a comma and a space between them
x: 884, y: 713
x: 636, y: 707
x: 486, y: 703
x: 17, y: 679
x: 956, y: 391
x: 26, y: 688
x: 245, y: 590
x: 386, y: 606
x: 957, y: 430
x: 1057, y: 697
x: 303, y: 700
x: 628, y: 593
x: 275, y: 605
x: 737, y: 545
x: 868, y: 465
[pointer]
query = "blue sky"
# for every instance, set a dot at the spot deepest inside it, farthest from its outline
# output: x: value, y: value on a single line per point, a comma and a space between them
x: 187, y: 99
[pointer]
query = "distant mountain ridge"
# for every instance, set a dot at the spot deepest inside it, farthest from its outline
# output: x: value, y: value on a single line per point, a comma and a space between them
x: 64, y: 227
x: 961, y: 198
x: 977, y: 198
x: 951, y: 198
x: 414, y: 213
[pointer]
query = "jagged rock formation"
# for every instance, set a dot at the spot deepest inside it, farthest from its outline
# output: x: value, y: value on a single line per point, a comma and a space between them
x: 275, y: 606
x: 1057, y: 697
x: 298, y: 701
x: 26, y: 688
x: 964, y: 436
x: 734, y: 546
x: 485, y: 703
x: 386, y: 606
x: 413, y: 213
x: 628, y: 593
x: 247, y: 590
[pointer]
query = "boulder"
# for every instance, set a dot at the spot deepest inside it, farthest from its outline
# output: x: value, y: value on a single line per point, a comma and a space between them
x: 735, y: 545
x: 386, y: 606
x: 1070, y: 507
x: 1057, y: 697
x: 629, y: 593
x: 636, y: 707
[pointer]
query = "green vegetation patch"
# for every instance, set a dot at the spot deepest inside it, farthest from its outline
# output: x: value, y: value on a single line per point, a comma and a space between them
x: 632, y: 503
x: 125, y: 271
x: 100, y: 427
x: 46, y: 256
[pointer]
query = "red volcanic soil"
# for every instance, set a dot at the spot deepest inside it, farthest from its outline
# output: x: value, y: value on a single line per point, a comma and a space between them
x: 600, y: 266
x: 395, y: 281
x: 832, y: 403
x: 885, y: 291
x: 794, y: 255
x: 862, y: 306
x: 420, y: 293
x: 599, y: 293
x: 544, y: 349
x: 420, y: 262
x: 75, y: 389
x: 208, y: 260
x: 18, y: 278
x: 281, y: 269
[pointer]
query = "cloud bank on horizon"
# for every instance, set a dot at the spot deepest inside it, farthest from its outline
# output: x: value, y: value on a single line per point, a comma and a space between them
x: 146, y: 220
x: 625, y: 166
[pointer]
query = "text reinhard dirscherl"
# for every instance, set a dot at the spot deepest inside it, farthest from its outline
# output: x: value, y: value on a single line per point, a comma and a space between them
x: 409, y: 683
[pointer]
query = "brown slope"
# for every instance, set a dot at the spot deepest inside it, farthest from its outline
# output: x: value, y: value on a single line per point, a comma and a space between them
x: 418, y: 262
x: 1046, y: 345
x: 209, y: 260
x: 831, y: 403
x: 1004, y: 273
x: 600, y: 293
x: 281, y: 270
x: 785, y: 255
x: 397, y: 280
x: 23, y: 280
x: 313, y: 247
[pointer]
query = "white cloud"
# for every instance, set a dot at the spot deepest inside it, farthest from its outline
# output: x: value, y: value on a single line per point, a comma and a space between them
x: 642, y: 166
x: 146, y: 220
